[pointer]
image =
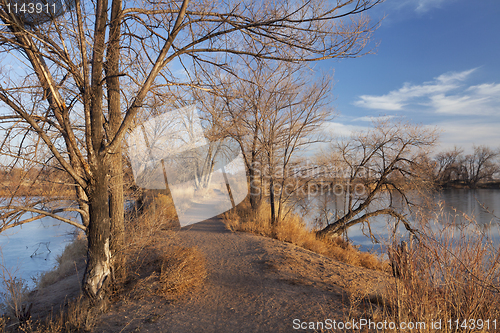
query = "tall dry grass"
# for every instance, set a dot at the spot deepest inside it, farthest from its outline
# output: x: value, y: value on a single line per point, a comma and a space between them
x: 14, y: 295
x: 156, y: 265
x: 292, y: 229
x: 449, y: 274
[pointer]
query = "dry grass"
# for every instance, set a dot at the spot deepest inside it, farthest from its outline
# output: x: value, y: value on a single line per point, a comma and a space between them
x: 448, y: 275
x: 292, y: 229
x: 156, y: 266
x: 15, y: 294
x: 78, y: 316
x: 166, y: 272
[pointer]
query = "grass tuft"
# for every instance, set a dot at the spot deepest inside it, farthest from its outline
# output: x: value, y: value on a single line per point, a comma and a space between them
x: 156, y: 265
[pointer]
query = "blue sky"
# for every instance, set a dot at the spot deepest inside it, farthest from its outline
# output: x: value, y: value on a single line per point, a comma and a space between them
x: 437, y: 63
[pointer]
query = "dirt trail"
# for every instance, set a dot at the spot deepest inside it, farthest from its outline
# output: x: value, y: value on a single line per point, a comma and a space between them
x: 254, y: 284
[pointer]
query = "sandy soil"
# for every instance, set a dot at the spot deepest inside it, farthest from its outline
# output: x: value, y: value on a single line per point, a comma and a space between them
x: 254, y: 284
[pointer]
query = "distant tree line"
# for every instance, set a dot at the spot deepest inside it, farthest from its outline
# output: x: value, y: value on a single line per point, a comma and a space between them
x: 454, y: 167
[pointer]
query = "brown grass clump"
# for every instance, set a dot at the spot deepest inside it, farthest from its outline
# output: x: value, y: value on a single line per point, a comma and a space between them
x: 154, y: 212
x: 156, y: 265
x: 292, y: 229
x: 166, y: 272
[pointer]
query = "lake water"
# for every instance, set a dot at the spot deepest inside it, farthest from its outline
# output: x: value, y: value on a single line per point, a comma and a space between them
x: 481, y: 205
x: 31, y: 249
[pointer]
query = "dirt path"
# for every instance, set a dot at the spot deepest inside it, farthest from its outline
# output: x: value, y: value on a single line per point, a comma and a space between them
x: 254, y: 284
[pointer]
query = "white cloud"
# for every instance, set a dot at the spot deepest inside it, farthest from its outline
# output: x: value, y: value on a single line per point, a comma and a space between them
x: 423, y: 6
x: 460, y: 104
x: 483, y: 99
x: 465, y: 134
x: 420, y: 6
x: 385, y: 102
x: 371, y: 119
x: 398, y: 99
x: 446, y: 94
x: 336, y: 129
x: 488, y: 89
x: 452, y: 77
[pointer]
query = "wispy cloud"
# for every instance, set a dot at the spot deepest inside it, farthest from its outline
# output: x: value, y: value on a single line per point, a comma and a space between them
x: 446, y: 94
x: 465, y: 134
x: 337, y: 129
x: 419, y: 6
x: 422, y: 6
x: 371, y: 119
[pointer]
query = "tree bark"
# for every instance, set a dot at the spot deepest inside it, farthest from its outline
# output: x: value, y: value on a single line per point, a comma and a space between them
x: 116, y: 200
x: 254, y: 188
x: 97, y: 274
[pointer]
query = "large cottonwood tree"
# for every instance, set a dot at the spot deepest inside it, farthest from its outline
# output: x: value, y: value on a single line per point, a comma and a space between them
x: 75, y: 83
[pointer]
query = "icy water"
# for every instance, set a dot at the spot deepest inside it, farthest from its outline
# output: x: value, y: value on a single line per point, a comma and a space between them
x: 27, y: 251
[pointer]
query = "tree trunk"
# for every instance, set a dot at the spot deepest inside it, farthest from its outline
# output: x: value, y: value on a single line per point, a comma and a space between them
x: 254, y: 188
x: 117, y: 210
x: 271, y: 201
x: 97, y: 273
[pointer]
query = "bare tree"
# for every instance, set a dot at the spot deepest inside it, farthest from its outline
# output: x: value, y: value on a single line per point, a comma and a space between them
x: 471, y: 169
x: 76, y: 83
x: 480, y: 165
x: 291, y: 118
x: 448, y: 165
x: 272, y: 110
x: 384, y: 169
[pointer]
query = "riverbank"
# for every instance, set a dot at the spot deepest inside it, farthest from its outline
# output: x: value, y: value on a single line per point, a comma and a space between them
x: 493, y: 184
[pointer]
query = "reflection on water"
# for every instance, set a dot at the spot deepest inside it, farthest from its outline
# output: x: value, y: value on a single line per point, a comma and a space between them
x: 481, y: 205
